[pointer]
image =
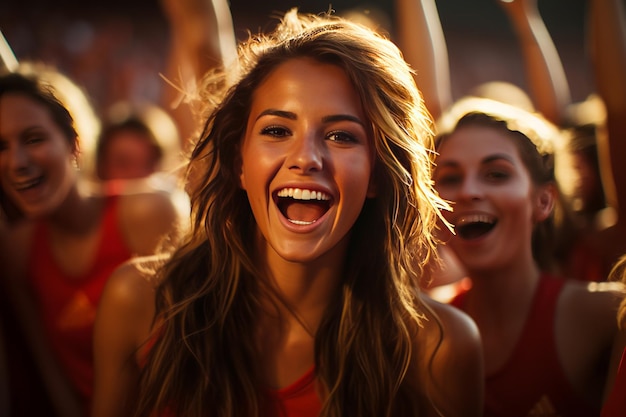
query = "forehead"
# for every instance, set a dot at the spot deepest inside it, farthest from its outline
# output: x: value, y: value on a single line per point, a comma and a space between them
x: 18, y: 111
x: 319, y: 84
x: 472, y: 144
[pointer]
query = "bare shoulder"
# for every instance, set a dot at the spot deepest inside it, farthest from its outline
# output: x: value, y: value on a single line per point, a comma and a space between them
x: 588, y: 312
x: 594, y: 297
x: 451, y: 360
x: 132, y: 283
x: 147, y: 218
x: 457, y: 327
x: 139, y: 205
x: 127, y: 308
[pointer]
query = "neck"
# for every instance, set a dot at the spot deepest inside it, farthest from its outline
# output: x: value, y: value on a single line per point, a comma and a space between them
x: 294, y: 304
x: 301, y: 291
x: 505, y: 289
x: 77, y: 214
x: 499, y: 303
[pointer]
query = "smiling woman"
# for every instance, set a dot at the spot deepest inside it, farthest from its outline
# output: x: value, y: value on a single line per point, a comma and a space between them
x: 319, y: 131
x: 296, y: 291
x: 59, y: 243
x: 495, y: 164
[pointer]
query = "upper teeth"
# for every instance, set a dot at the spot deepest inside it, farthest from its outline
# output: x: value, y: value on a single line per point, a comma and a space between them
x: 25, y: 184
x: 474, y: 218
x: 300, y: 194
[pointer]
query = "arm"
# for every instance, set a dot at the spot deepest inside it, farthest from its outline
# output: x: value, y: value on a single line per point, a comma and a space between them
x: 455, y: 376
x: 422, y: 42
x: 202, y: 38
x: 617, y: 364
x: 619, y: 349
x: 123, y: 324
x: 608, y: 51
x: 585, y: 330
x: 544, y: 70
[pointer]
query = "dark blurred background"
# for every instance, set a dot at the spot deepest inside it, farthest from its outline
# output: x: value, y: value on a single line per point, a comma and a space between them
x: 115, y: 49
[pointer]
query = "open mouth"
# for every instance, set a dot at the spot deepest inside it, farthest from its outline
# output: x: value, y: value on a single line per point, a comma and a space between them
x: 26, y: 185
x: 302, y: 206
x: 474, y: 226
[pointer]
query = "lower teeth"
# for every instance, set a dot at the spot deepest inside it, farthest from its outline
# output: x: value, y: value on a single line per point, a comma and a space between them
x: 301, y: 222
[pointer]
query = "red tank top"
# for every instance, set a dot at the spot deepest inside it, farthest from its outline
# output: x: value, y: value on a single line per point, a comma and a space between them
x: 299, y: 399
x: 615, y: 405
x: 532, y: 382
x: 68, y: 304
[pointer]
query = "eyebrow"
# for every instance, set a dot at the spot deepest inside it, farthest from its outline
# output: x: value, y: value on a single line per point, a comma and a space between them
x: 495, y: 157
x: 486, y: 160
x: 326, y: 119
x: 280, y: 113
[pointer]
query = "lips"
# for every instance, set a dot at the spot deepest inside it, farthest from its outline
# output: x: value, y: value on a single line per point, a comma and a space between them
x: 27, y: 184
x: 473, y: 226
x: 302, y: 206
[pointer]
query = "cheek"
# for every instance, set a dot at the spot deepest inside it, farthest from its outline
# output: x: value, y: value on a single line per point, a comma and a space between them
x: 356, y: 178
x: 257, y: 171
x: 358, y: 181
x: 517, y: 196
x: 520, y: 206
x: 67, y: 176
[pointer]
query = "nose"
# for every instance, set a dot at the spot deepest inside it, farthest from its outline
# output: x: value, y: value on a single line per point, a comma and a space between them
x: 470, y: 189
x: 306, y: 154
x: 15, y: 158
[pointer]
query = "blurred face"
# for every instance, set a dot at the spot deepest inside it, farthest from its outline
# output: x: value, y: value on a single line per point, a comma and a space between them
x: 494, y: 200
x: 128, y: 155
x: 36, y: 160
x: 306, y: 159
x: 587, y: 184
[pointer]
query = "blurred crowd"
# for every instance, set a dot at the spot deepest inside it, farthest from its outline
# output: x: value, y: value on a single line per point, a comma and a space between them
x: 168, y: 181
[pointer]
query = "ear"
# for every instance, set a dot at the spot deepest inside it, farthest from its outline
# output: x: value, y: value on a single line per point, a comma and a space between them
x: 544, y: 202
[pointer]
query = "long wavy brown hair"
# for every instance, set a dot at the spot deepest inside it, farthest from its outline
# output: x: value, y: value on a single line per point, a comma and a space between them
x: 204, y: 361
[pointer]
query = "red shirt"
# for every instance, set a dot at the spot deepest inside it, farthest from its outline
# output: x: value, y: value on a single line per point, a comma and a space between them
x: 299, y: 399
x: 67, y: 305
x: 532, y: 381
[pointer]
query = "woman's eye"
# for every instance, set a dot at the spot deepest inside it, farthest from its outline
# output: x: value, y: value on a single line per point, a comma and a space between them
x: 447, y: 180
x: 276, y: 131
x: 497, y: 175
x: 341, y: 136
x: 33, y: 140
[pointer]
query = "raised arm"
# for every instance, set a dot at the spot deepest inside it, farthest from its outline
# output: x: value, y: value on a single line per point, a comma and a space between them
x: 607, y: 38
x: 202, y: 38
x: 545, y: 75
x: 421, y: 39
